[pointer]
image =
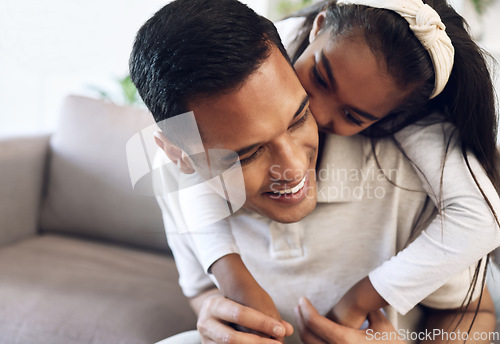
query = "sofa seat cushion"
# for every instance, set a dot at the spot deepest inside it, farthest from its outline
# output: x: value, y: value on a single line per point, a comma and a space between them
x: 62, y: 290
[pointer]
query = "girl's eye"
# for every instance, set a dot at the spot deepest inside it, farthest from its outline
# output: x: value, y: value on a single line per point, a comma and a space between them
x: 301, y: 121
x: 316, y: 77
x: 352, y: 119
x: 252, y: 157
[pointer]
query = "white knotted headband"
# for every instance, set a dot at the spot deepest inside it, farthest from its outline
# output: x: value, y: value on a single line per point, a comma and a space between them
x: 427, y: 26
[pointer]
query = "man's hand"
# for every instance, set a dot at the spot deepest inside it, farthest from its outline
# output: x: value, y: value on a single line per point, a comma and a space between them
x: 316, y: 329
x: 217, y: 314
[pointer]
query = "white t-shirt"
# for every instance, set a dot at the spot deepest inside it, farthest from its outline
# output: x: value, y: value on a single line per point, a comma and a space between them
x: 361, y: 221
x: 462, y: 233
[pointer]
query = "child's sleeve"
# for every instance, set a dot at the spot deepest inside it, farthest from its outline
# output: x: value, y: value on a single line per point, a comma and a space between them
x: 207, y: 215
x: 197, y: 211
x: 216, y: 242
x: 452, y: 294
x: 464, y: 230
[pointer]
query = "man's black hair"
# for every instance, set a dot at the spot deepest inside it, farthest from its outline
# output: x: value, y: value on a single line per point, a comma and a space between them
x: 198, y: 48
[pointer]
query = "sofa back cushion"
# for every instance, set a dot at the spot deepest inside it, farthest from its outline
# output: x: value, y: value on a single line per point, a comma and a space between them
x: 89, y: 192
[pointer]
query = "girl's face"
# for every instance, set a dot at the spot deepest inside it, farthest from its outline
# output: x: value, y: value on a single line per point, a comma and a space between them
x: 348, y: 85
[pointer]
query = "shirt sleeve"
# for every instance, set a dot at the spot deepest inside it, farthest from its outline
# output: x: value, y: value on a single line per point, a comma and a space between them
x: 197, y: 233
x: 464, y: 230
x: 207, y: 216
x: 455, y: 292
x: 214, y: 244
x: 192, y: 277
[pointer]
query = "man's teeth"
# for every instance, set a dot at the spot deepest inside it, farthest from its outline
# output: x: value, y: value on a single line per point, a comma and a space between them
x: 292, y: 190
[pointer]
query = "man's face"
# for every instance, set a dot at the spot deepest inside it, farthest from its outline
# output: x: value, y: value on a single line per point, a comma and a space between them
x: 268, y: 123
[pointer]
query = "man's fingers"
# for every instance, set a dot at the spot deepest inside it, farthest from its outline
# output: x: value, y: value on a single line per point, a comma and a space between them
x: 305, y: 334
x: 213, y: 331
x: 288, y: 328
x: 233, y: 312
x: 321, y: 326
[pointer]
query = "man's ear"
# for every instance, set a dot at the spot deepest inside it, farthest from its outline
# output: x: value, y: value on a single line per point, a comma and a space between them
x: 318, y: 25
x: 174, y: 153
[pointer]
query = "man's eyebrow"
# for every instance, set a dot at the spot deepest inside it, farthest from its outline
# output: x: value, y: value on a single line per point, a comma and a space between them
x: 245, y: 150
x: 331, y: 78
x: 301, y: 107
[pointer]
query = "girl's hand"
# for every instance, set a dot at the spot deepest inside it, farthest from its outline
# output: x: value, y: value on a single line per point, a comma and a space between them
x: 316, y: 329
x: 347, y: 313
x: 354, y: 307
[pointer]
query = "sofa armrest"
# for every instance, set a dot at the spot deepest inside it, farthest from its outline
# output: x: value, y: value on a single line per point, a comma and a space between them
x: 22, y: 170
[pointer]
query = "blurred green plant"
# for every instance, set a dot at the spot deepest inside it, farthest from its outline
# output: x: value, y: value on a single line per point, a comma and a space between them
x: 129, y: 94
x: 286, y: 7
x: 129, y: 91
x: 481, y: 5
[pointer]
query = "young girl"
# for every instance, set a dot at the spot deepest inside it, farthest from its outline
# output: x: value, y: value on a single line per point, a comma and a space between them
x: 443, y: 119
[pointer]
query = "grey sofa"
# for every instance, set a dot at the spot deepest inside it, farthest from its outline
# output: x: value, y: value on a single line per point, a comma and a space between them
x: 83, y: 260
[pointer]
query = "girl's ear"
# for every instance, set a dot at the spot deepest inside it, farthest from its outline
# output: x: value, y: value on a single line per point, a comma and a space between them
x: 174, y: 153
x: 318, y: 25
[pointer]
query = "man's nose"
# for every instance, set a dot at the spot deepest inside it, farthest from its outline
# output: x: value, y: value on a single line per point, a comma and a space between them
x: 290, y: 161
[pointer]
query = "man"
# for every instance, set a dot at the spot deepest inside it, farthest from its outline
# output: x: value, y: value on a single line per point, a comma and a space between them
x: 227, y: 65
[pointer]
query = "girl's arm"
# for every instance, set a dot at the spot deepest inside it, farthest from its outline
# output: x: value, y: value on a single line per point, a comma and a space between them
x: 441, y: 326
x: 237, y: 283
x: 354, y: 307
x: 464, y: 230
x: 208, y: 219
x: 450, y: 328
